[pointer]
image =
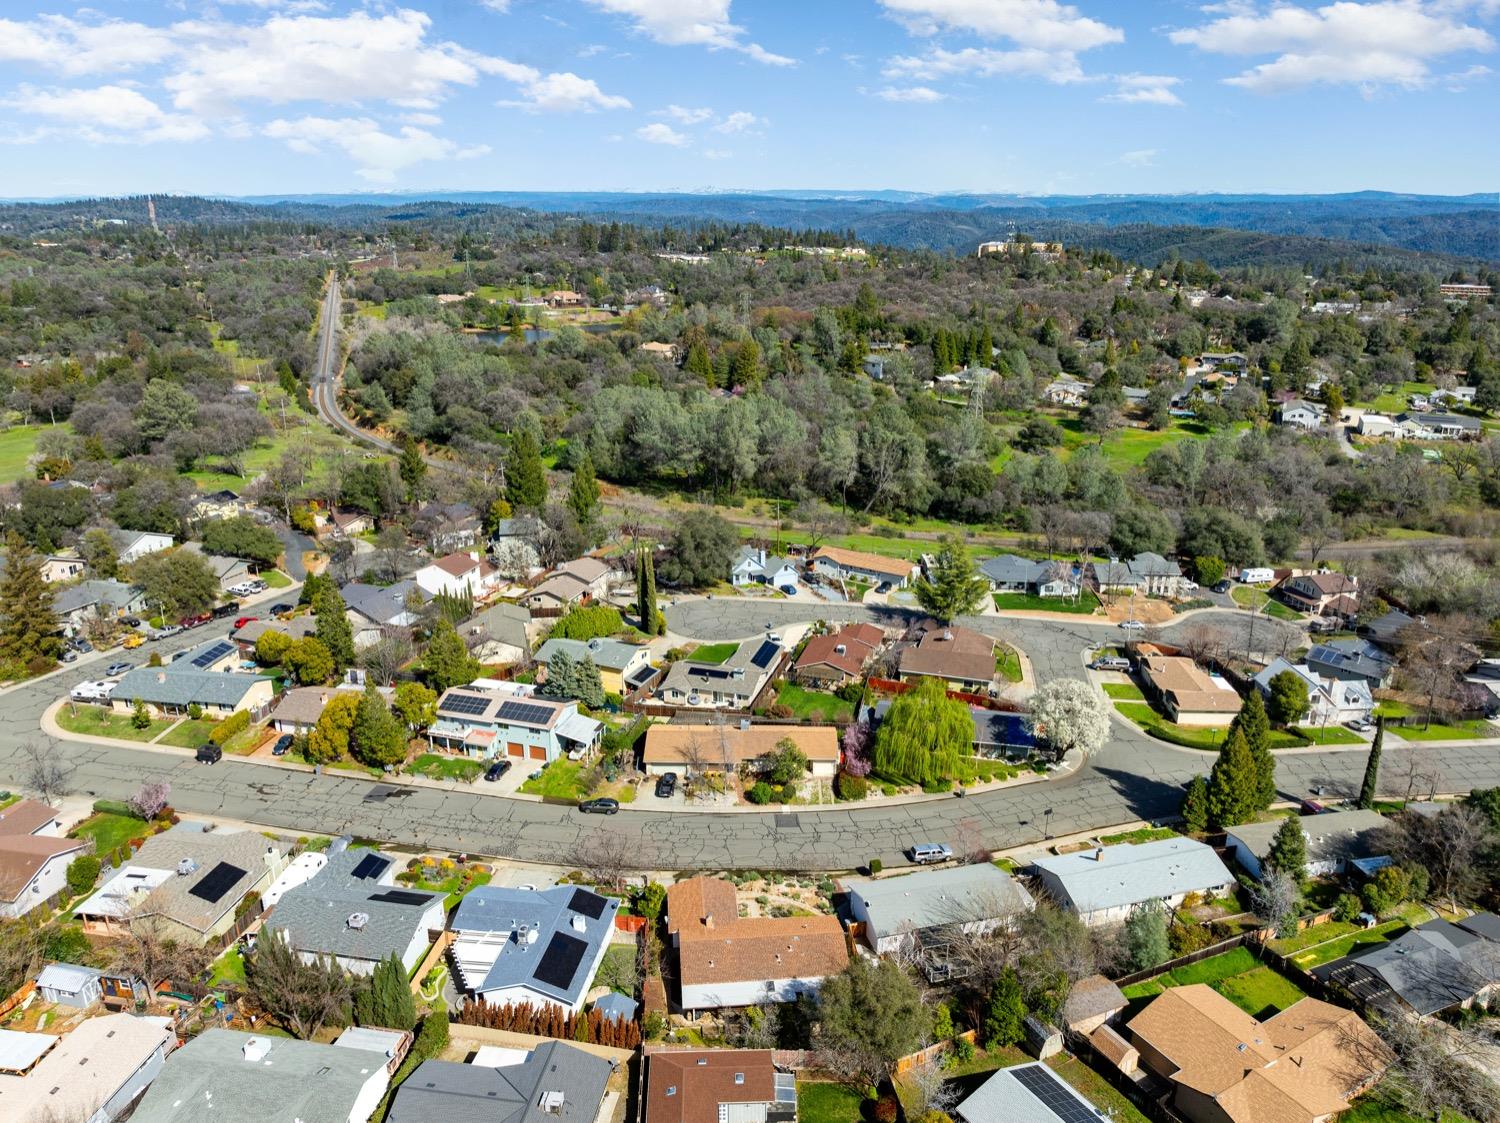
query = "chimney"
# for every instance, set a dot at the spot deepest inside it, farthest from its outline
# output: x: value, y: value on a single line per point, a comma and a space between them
x: 161, y: 676
x: 579, y: 924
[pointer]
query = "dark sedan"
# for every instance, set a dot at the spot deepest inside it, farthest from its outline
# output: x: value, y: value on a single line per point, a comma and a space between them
x: 496, y: 770
x: 666, y: 785
x: 599, y: 806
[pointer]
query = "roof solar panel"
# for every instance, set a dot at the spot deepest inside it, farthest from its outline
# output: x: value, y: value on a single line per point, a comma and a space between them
x: 526, y: 713
x: 402, y: 897
x: 560, y: 961
x: 1054, y: 1094
x: 467, y: 704
x: 370, y: 867
x: 589, y: 904
x: 765, y: 654
x: 213, y: 654
x: 216, y: 882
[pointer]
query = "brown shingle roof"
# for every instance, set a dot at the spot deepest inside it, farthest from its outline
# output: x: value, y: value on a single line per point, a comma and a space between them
x: 872, y: 563
x: 701, y: 1079
x: 672, y: 743
x: 1110, y: 1045
x: 460, y: 564
x: 1189, y: 686
x: 712, y: 949
x: 951, y: 653
x: 25, y: 816
x: 843, y: 650
x: 22, y: 856
x: 688, y: 902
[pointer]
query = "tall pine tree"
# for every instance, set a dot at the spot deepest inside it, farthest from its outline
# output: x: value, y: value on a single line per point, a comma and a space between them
x: 1195, y: 806
x: 645, y: 591
x: 377, y: 737
x: 1288, y: 851
x: 27, y: 623
x: 1256, y: 726
x: 334, y: 631
x: 1234, y: 784
x: 525, y: 480
x: 583, y: 495
x: 413, y: 469
x: 1367, y: 790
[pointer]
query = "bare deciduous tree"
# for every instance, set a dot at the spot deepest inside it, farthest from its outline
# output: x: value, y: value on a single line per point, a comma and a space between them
x: 303, y: 997
x: 1451, y: 846
x: 1276, y: 900
x: 605, y: 856
x: 147, y: 951
x: 45, y: 772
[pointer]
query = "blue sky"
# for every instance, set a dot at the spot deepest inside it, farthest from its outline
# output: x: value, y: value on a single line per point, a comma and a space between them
x: 271, y: 96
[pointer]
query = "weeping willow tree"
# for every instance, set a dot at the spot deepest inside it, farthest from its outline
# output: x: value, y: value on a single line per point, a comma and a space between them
x: 923, y: 735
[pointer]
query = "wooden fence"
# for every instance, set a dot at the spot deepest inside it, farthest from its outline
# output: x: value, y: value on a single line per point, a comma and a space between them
x: 19, y: 997
x: 1191, y: 957
x: 932, y: 1052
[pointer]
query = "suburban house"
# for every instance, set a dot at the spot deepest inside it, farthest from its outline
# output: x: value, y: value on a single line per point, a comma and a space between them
x: 836, y: 563
x: 447, y: 526
x: 230, y: 1075
x: 497, y: 634
x: 716, y: 1085
x: 229, y: 571
x: 1066, y: 392
x: 173, y: 688
x: 1103, y: 884
x: 961, y: 658
x: 725, y: 960
x: 666, y: 352
x: 351, y: 912
x: 1299, y: 414
x: 246, y: 637
x: 373, y: 610
x: 920, y: 909
x: 222, y: 504
x: 1334, y: 840
x: 679, y: 748
x: 458, y: 575
x: 734, y: 684
x: 1031, y: 1092
x: 94, y: 1072
x: 1434, y: 968
x: 1354, y: 660
x: 541, y: 946
x: 345, y: 524
x: 1185, y: 691
x: 1009, y: 573
x: 754, y: 566
x: 500, y: 722
x: 552, y: 1081
x: 34, y: 858
x: 576, y: 582
x: 1438, y: 426
x: 997, y: 733
x: 186, y: 881
x: 133, y: 545
x: 1303, y: 1065
x: 76, y: 605
x: 1147, y: 573
x: 566, y: 298
x: 513, y: 547
x: 614, y: 658
x: 57, y: 568
x: 1392, y: 629
x: 1331, y: 701
x: 1324, y: 593
x: 834, y: 658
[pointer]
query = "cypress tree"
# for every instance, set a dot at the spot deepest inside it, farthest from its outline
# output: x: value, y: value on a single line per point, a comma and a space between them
x: 588, y: 684
x: 525, y: 479
x: 27, y: 623
x: 1372, y: 767
x: 334, y: 631
x: 1005, y: 1016
x: 1256, y: 726
x: 1289, y: 850
x: 1195, y: 806
x: 413, y: 469
x: 646, y: 590
x: 583, y: 495
x: 1233, y: 785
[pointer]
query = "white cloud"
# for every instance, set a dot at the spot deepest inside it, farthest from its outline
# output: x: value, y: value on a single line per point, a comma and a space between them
x: 421, y: 118
x: 739, y: 122
x: 1384, y: 42
x: 910, y: 93
x: 1030, y: 23
x: 986, y: 62
x: 501, y: 6
x: 682, y: 23
x: 71, y: 47
x: 659, y: 133
x: 684, y: 116
x: 591, y: 49
x: 563, y: 93
x: 1145, y: 89
x: 105, y: 114
x: 1139, y: 158
x: 380, y: 155
x: 717, y: 154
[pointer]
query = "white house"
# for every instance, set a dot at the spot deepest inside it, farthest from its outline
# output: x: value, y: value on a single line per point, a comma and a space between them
x: 92, y: 1074
x: 919, y: 907
x: 1331, y: 701
x: 458, y: 575
x: 132, y: 545
x: 33, y: 859
x: 1334, y: 839
x: 755, y: 567
x: 1300, y: 414
x: 1103, y: 884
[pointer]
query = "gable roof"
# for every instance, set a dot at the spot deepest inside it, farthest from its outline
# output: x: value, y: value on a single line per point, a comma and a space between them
x: 870, y: 563
x: 461, y: 565
x: 717, y: 946
x: 1430, y: 968
x: 1331, y: 836
x: 1031, y: 1092
x: 1011, y: 569
x: 26, y: 816
x: 951, y: 653
x: 23, y: 856
x: 315, y: 916
x: 841, y: 651
x: 177, y: 685
x: 1188, y: 686
x: 933, y: 898
x: 500, y: 623
x: 83, y: 1069
x: 381, y: 604
x: 689, y: 1085
x: 473, y: 1093
x: 1350, y: 656
x: 115, y: 594
x: 551, y: 962
x: 673, y: 742
x: 610, y: 654
x: 585, y: 569
x: 1115, y: 876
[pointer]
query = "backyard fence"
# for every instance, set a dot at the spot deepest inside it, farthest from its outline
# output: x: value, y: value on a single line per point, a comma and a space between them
x: 1191, y: 957
x: 984, y: 701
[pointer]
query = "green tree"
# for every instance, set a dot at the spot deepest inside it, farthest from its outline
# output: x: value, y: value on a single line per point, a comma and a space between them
x: 329, y: 739
x: 1195, y: 806
x: 334, y: 631
x: 1253, y: 723
x: 386, y: 1001
x: 699, y: 363
x: 447, y: 662
x: 1487, y: 802
x: 1371, y: 784
x: 83, y: 871
x: 140, y: 717
x: 746, y: 369
x: 27, y: 622
x: 645, y: 590
x: 562, y: 677
x: 377, y: 737
x: 242, y: 537
x: 525, y: 478
x: 955, y: 587
x: 272, y: 646
x: 99, y: 553
x: 177, y: 582
x: 701, y: 550
x: 1233, y: 785
x: 786, y: 763
x: 415, y: 704
x: 1288, y: 851
x: 1210, y: 570
x: 586, y: 623
x: 1286, y: 698
x: 307, y: 660
x: 165, y: 408
x: 583, y: 493
x: 1146, y: 937
x: 412, y: 469
x: 924, y: 735
x: 1005, y: 1012
x: 872, y: 1014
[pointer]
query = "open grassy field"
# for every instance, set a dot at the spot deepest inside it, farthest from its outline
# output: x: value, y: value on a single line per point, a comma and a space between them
x: 1416, y: 730
x: 1126, y: 448
x: 826, y: 1102
x: 16, y: 446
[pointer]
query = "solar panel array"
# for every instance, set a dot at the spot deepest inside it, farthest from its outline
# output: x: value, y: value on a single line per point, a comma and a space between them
x: 560, y: 961
x: 1057, y: 1096
x: 370, y: 867
x: 402, y: 897
x: 218, y: 881
x: 588, y: 904
x: 526, y: 713
x: 467, y: 704
x: 213, y: 654
x: 765, y: 654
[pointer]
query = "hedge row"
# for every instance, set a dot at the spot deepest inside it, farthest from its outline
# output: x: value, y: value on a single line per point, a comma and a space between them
x: 234, y: 723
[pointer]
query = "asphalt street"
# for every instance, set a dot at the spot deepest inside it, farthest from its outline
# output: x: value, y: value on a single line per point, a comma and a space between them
x: 1133, y: 777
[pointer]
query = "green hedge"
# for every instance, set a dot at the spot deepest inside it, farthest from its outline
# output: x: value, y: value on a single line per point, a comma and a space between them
x: 114, y: 807
x: 231, y: 725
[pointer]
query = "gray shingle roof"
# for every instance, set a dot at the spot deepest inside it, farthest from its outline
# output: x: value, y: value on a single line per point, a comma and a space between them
x: 174, y: 897
x: 607, y: 653
x: 314, y: 917
x: 1115, y: 876
x: 467, y: 1093
x: 1332, y: 836
x: 492, y: 909
x: 931, y: 898
x: 382, y: 604
x: 1009, y: 569
x: 176, y: 685
x: 1431, y: 968
x: 115, y: 594
x: 1003, y: 1098
x: 1350, y: 658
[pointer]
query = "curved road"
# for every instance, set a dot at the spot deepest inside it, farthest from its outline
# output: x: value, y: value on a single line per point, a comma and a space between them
x: 1132, y: 778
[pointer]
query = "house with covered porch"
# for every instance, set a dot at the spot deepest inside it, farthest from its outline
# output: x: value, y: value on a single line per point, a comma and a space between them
x: 502, y: 721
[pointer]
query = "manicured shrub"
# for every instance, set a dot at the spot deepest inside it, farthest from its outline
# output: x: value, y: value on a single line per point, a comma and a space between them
x: 760, y: 793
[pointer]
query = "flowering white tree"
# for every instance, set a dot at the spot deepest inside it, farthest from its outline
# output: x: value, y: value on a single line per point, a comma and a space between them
x: 1069, y: 714
x: 151, y: 800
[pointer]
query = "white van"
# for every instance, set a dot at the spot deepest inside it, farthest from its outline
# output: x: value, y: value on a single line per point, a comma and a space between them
x: 926, y: 853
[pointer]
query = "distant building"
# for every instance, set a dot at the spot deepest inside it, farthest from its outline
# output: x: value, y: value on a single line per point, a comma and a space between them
x: 754, y: 566
x: 132, y: 545
x: 458, y: 575
x: 853, y: 565
x: 1146, y: 573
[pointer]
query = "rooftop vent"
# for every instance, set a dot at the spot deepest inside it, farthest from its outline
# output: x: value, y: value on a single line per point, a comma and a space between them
x: 579, y: 924
x: 357, y: 920
x: 550, y: 1102
x: 256, y: 1048
x: 186, y: 866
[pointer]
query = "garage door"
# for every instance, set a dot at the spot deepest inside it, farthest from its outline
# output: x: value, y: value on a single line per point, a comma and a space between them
x: 514, y: 749
x: 538, y: 752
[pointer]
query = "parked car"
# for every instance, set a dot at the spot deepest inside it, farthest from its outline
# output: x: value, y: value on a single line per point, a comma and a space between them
x: 69, y: 656
x: 599, y: 806
x: 789, y: 590
x: 98, y: 691
x: 1110, y: 663
x: 1133, y: 625
x: 883, y: 587
x: 1224, y: 586
x: 241, y: 621
x: 666, y: 785
x: 223, y: 611
x: 131, y: 621
x: 209, y: 753
x: 496, y: 770
x: 80, y: 645
x: 925, y: 853
x: 195, y: 621
x: 281, y: 609
x: 1360, y: 725
x: 168, y: 630
x: 117, y: 669
x: 283, y: 743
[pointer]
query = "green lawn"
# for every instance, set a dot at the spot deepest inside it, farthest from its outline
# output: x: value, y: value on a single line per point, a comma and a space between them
x: 827, y: 1103
x: 1248, y: 596
x: 1207, y: 738
x: 190, y: 734
x: 1124, y: 691
x: 1127, y: 448
x: 440, y: 766
x: 1236, y: 974
x: 713, y: 653
x: 1435, y: 730
x: 1329, y: 735
x: 1375, y: 1108
x: 1025, y: 602
x: 229, y: 969
x: 1359, y: 939
x: 1144, y: 834
x: 1007, y: 664
x: 1260, y: 992
x: 805, y: 703
x: 96, y: 721
x: 16, y: 446
x: 110, y: 831
x: 275, y: 579
x: 559, y: 780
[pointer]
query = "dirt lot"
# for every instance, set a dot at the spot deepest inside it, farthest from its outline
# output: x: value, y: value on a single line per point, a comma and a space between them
x: 1145, y: 609
x: 790, y: 897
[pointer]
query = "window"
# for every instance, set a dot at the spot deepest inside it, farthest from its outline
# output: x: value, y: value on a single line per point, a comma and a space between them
x: 671, y: 1089
x: 739, y: 1078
